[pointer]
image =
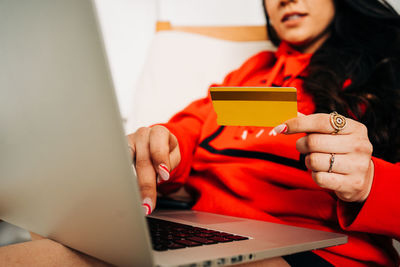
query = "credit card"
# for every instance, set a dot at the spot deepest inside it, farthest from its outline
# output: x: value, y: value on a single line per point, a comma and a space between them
x: 254, y: 106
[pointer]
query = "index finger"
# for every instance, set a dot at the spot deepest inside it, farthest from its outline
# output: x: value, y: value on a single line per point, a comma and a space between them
x: 161, y: 144
x: 314, y: 123
x: 145, y: 171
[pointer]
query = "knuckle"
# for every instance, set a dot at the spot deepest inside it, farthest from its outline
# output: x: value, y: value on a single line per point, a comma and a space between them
x: 318, y: 178
x: 294, y: 124
x: 348, y: 197
x: 142, y: 162
x: 131, y: 138
x: 369, y: 147
x: 358, y: 147
x: 362, y: 129
x: 159, y: 130
x: 362, y: 166
x: 308, y: 162
x: 312, y: 142
x: 336, y: 185
x: 146, y: 186
x: 358, y: 184
x: 313, y: 160
x: 157, y: 154
x: 363, y: 146
x: 322, y: 121
x: 142, y: 131
x: 301, y: 145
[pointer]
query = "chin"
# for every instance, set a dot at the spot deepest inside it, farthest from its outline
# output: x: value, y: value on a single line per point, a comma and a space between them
x: 295, y: 39
x: 298, y: 42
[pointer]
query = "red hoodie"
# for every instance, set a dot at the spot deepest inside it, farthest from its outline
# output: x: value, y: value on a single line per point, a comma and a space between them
x: 242, y: 171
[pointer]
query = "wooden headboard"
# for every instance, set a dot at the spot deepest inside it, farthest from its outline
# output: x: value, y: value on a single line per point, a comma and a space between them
x: 230, y: 33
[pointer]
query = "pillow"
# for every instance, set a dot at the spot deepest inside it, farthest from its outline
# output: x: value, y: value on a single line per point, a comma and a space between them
x: 179, y: 69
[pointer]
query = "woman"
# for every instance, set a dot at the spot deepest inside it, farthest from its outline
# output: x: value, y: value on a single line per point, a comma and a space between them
x: 323, y: 170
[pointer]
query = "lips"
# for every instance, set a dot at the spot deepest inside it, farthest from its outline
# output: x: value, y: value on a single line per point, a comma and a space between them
x: 293, y: 16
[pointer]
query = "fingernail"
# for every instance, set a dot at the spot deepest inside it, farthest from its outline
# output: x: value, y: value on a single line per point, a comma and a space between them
x: 281, y: 128
x: 163, y: 171
x: 147, y: 205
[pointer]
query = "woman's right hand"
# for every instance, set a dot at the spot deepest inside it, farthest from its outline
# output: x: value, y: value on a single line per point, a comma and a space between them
x: 155, y: 152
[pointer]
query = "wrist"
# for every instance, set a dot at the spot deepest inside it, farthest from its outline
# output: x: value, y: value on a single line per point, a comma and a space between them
x: 369, y: 180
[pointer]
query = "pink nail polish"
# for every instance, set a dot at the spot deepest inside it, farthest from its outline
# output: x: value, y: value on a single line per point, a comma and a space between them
x: 280, y: 129
x: 163, y: 171
x: 147, y: 205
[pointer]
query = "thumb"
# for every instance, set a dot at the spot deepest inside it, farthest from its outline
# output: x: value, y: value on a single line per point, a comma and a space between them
x: 299, y: 114
x: 282, y: 128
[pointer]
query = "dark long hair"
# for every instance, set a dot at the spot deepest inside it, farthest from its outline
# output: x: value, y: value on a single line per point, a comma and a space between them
x: 364, y: 47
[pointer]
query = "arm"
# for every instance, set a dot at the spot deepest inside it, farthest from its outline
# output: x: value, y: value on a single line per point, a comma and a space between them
x: 380, y: 213
x: 164, y: 152
x: 163, y: 148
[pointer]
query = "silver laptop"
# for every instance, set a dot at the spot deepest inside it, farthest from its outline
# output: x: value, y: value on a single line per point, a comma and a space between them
x: 65, y: 167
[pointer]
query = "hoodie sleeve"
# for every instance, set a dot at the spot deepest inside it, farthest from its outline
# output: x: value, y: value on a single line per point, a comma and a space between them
x: 380, y: 213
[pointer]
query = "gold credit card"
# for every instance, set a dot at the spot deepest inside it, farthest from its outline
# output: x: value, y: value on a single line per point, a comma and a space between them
x: 254, y: 106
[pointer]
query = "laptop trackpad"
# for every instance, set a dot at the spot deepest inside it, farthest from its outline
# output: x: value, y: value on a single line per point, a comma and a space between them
x: 202, y: 218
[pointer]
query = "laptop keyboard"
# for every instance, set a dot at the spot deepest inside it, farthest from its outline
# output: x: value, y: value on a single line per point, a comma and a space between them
x: 170, y: 235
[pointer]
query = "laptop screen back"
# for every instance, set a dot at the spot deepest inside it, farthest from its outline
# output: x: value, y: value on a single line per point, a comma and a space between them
x: 64, y: 162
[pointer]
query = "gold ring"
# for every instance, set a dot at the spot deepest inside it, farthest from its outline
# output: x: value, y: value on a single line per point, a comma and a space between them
x: 331, y: 161
x: 338, y: 122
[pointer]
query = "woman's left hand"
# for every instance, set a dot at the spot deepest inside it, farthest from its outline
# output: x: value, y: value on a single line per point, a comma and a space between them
x: 340, y: 162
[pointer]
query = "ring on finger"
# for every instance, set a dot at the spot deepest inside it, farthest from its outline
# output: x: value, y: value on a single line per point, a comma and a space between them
x: 338, y: 122
x: 331, y: 161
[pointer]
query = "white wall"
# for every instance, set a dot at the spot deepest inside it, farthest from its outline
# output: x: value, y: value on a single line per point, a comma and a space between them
x: 212, y: 12
x: 395, y: 4
x: 128, y: 26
